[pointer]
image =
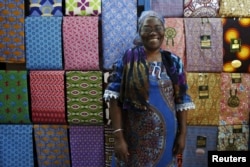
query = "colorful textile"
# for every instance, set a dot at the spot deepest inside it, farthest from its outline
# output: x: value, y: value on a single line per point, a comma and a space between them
x: 80, y: 42
x: 205, y: 90
x: 84, y: 97
x: 14, y: 102
x: 47, y: 96
x: 12, y: 31
x: 52, y: 146
x: 109, y: 145
x: 16, y: 146
x: 115, y: 38
x: 87, y: 146
x: 174, y: 40
x: 45, y: 8
x: 233, y: 138
x: 234, y: 8
x: 199, y: 140
x: 43, y: 43
x: 234, y: 98
x: 83, y: 7
x: 236, y: 45
x: 198, y: 8
x: 204, y: 46
x: 168, y: 8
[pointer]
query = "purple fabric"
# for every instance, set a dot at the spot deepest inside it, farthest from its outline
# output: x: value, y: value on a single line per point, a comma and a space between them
x: 168, y: 8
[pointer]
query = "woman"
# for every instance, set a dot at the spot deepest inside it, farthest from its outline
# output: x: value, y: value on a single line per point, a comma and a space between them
x: 148, y: 100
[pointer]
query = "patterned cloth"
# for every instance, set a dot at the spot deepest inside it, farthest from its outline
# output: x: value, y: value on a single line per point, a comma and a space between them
x: 168, y: 8
x: 236, y: 45
x: 52, y: 145
x: 47, y: 96
x: 109, y: 145
x: 87, y: 146
x: 115, y: 38
x: 234, y: 99
x: 45, y: 8
x: 233, y: 138
x: 43, y: 43
x: 84, y: 97
x: 205, y: 90
x: 83, y: 7
x: 198, y: 8
x: 16, y: 146
x: 80, y: 42
x: 204, y: 44
x: 14, y: 104
x: 12, y: 31
x: 234, y: 8
x: 174, y: 40
x: 199, y: 140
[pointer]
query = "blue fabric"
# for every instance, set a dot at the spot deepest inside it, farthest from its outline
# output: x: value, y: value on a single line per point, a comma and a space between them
x: 147, y: 5
x: 16, y: 146
x: 141, y: 2
x: 119, y: 25
x: 43, y: 43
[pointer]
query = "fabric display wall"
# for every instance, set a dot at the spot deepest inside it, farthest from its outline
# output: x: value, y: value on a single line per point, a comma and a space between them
x: 56, y: 55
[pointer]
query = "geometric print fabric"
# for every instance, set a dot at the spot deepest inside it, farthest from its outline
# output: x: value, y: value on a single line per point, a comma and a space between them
x: 84, y: 97
x: 45, y: 8
x: 52, y: 145
x: 12, y: 31
x: 14, y: 105
x: 16, y: 146
x: 43, y: 43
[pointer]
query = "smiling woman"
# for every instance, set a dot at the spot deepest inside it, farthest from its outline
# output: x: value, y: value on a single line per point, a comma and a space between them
x: 148, y: 100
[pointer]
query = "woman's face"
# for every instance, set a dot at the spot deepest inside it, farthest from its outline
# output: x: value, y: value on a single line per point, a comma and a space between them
x: 152, y: 33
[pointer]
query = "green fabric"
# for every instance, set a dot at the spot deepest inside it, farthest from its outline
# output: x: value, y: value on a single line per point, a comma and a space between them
x: 14, y: 107
x: 84, y: 97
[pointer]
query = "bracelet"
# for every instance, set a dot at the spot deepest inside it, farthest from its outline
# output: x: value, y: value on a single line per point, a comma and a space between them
x: 117, y: 130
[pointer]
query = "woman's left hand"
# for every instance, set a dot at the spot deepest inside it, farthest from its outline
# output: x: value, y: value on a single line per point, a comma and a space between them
x: 179, y: 144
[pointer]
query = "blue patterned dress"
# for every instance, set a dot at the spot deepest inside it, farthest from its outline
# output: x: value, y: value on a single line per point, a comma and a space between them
x: 150, y: 133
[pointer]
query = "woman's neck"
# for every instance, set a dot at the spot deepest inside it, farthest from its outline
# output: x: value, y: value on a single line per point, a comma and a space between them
x: 153, y: 55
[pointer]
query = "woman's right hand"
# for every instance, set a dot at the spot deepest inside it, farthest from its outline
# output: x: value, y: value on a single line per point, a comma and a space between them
x: 121, y: 149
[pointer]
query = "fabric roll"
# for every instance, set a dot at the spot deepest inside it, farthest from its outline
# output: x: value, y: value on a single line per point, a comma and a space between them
x: 234, y: 98
x: 80, y: 43
x: 43, y: 43
x: 83, y: 7
x: 197, y: 8
x: 45, y: 8
x: 47, y: 96
x: 87, y: 146
x: 109, y: 145
x: 168, y: 8
x: 16, y: 146
x: 236, y: 45
x: 204, y: 44
x: 205, y: 90
x: 14, y: 102
x: 174, y: 39
x: 115, y: 38
x: 233, y: 138
x: 84, y: 97
x: 12, y: 48
x: 52, y: 146
x: 199, y: 140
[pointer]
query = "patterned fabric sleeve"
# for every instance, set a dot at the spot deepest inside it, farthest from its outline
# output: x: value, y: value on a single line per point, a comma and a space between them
x: 114, y: 80
x: 183, y: 100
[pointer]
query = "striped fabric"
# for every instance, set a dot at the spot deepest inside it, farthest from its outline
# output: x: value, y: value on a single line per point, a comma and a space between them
x: 115, y: 38
x: 84, y: 97
x: 16, y: 146
x: 47, y: 96
x: 80, y: 43
x: 199, y: 140
x: 87, y: 146
x: 43, y: 43
x: 52, y: 147
x: 14, y: 102
x: 12, y: 48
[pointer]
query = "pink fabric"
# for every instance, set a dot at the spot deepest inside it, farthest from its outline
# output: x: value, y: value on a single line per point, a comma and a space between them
x: 80, y: 42
x: 175, y: 45
x: 234, y: 115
